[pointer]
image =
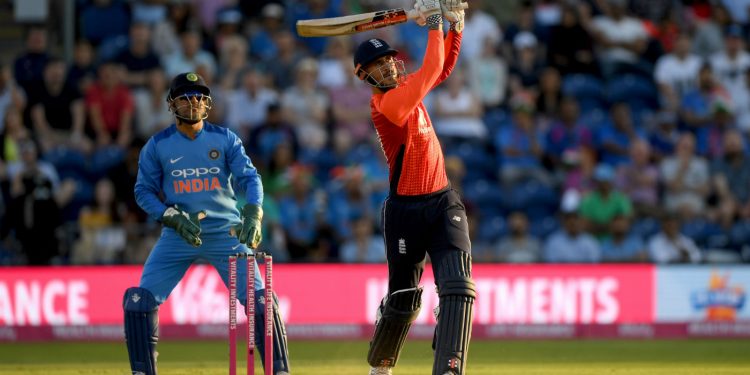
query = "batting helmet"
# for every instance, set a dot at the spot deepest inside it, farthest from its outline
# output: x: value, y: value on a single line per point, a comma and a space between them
x: 371, y: 50
x: 188, y: 82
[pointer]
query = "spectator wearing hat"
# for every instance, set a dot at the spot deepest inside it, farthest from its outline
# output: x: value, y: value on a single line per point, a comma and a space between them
x: 527, y: 66
x: 686, y: 179
x: 571, y: 244
x: 671, y: 246
x: 600, y: 206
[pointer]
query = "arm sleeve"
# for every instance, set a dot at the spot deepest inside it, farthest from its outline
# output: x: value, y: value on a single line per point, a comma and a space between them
x: 452, y: 46
x: 148, y: 183
x: 243, y: 170
x: 398, y: 103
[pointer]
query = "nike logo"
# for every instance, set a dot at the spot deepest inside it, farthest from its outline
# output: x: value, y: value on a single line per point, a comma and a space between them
x: 175, y: 160
x: 236, y: 246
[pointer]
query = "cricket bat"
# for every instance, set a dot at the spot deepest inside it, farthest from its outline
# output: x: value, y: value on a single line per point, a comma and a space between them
x: 356, y: 23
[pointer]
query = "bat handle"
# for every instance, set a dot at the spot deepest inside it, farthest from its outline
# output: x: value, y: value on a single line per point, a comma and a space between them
x: 412, y: 14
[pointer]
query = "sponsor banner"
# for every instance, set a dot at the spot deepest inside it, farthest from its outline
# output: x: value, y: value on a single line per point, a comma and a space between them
x: 702, y: 294
x: 298, y: 332
x: 332, y: 294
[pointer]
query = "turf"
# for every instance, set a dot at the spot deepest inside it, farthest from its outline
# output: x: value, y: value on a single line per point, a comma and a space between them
x: 339, y: 357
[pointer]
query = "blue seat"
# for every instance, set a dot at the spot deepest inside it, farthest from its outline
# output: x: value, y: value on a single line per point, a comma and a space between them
x: 637, y: 91
x: 645, y: 228
x: 484, y: 193
x: 582, y: 86
x: 496, y: 119
x: 543, y: 227
x: 492, y: 228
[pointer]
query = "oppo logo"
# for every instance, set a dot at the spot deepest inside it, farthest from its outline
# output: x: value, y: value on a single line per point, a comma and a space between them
x: 195, y: 172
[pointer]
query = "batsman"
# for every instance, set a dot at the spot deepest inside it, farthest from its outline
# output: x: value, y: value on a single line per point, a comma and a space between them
x: 195, y: 166
x: 422, y: 214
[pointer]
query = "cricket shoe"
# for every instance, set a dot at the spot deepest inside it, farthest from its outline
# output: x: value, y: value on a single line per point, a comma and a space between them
x: 384, y: 370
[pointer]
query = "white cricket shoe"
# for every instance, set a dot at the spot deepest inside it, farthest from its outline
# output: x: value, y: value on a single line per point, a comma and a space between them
x: 385, y: 370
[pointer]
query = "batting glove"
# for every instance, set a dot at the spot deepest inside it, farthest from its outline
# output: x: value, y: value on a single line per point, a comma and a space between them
x: 188, y: 226
x: 453, y: 11
x: 430, y: 13
x: 249, y: 230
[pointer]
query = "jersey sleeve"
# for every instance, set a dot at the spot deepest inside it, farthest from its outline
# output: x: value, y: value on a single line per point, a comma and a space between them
x: 243, y: 170
x: 148, y: 183
x: 398, y: 103
x: 452, y: 47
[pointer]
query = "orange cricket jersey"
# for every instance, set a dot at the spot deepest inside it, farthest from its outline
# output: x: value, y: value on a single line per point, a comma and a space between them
x: 415, y: 159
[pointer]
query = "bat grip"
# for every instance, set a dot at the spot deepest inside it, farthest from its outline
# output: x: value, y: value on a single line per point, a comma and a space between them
x: 412, y: 14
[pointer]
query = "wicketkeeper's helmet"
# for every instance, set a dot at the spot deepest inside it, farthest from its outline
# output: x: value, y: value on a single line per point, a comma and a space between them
x: 189, y: 85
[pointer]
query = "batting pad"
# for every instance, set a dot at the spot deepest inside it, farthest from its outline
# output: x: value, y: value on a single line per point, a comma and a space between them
x: 395, y: 315
x: 280, y: 349
x: 141, y: 329
x: 453, y: 332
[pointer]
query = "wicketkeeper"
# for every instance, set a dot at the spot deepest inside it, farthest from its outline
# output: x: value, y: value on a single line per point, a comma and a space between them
x: 422, y: 214
x: 194, y: 164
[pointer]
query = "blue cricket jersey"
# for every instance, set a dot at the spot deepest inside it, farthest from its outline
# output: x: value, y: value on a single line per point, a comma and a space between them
x: 197, y: 174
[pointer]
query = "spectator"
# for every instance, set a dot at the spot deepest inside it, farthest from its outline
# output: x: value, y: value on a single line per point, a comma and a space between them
x: 570, y: 48
x: 567, y: 133
x: 281, y: 65
x: 228, y: 27
x: 675, y: 73
x: 638, y: 179
x: 364, y: 246
x: 488, y: 75
x: 527, y: 66
x: 550, y: 94
x: 28, y: 69
x: 262, y: 40
x: 12, y: 135
x: 57, y: 111
x: 274, y: 132
x: 571, y: 244
x: 577, y: 167
x: 110, y: 107
x: 523, y: 22
x: 232, y: 62
x: 520, y: 146
x: 305, y: 106
x: 312, y: 9
x: 710, y: 139
x: 708, y: 39
x: 190, y: 56
x: 730, y: 64
x: 12, y: 97
x: 299, y: 214
x: 82, y: 72
x: 731, y: 180
x: 615, y: 138
x: 621, y: 38
x: 458, y: 112
x: 739, y: 9
x: 671, y: 246
x: 151, y: 110
x: 104, y: 19
x: 623, y: 246
x: 36, y: 199
x: 334, y: 67
x: 138, y: 59
x: 686, y: 179
x: 102, y: 235
x: 276, y: 172
x: 519, y: 246
x: 351, y: 108
x: 600, y: 206
x: 663, y: 138
x: 246, y: 107
x: 483, y: 28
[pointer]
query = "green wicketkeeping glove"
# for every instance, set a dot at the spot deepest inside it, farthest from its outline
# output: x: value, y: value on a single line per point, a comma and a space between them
x: 248, y: 231
x: 188, y: 226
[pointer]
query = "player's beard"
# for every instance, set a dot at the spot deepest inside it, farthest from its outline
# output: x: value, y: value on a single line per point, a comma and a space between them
x: 191, y: 114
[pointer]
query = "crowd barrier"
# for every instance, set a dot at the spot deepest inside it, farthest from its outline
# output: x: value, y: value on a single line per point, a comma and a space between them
x: 338, y: 301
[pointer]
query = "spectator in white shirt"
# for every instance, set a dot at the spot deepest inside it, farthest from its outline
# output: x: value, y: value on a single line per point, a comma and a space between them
x: 480, y: 26
x: 671, y: 246
x: 676, y: 72
x: 729, y: 65
x: 246, y: 106
x: 571, y: 244
x: 622, y: 38
x: 190, y: 56
x: 686, y: 179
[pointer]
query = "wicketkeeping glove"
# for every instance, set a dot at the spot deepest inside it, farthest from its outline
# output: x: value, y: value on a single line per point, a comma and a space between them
x: 249, y: 230
x: 187, y: 225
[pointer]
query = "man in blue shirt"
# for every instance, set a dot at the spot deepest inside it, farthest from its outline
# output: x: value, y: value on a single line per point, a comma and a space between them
x: 196, y: 166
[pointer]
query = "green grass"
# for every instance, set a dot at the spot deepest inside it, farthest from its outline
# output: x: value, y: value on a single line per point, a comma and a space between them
x: 688, y: 357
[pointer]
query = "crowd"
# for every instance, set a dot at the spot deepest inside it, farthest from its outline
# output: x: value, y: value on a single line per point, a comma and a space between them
x: 577, y: 130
